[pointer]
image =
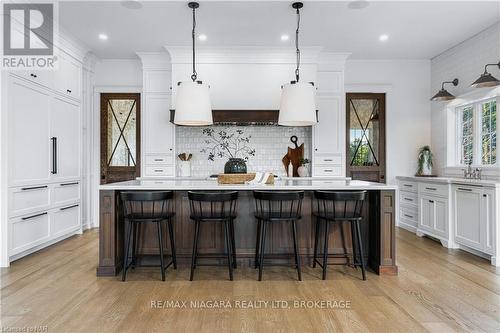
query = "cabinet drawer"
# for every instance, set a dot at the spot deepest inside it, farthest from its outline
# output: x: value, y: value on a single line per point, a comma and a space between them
x: 162, y: 171
x: 409, y: 214
x: 408, y: 199
x: 28, y: 231
x: 333, y: 171
x: 64, y: 220
x: 159, y: 159
x: 23, y: 200
x: 408, y: 186
x: 44, y: 78
x: 65, y: 193
x: 433, y: 189
x: 328, y: 159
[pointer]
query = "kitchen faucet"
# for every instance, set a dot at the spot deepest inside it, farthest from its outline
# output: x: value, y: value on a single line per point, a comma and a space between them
x: 470, y: 173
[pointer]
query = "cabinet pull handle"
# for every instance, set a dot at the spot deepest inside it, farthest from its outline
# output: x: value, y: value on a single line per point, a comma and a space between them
x: 408, y: 216
x: 68, y: 184
x: 69, y: 91
x: 158, y: 170
x: 158, y: 159
x: 407, y: 185
x: 33, y: 75
x: 328, y: 160
x: 431, y: 201
x: 431, y: 188
x: 485, y: 195
x: 408, y: 199
x: 328, y: 170
x: 33, y: 188
x: 464, y: 189
x: 72, y: 206
x: 33, y: 216
x: 54, y: 155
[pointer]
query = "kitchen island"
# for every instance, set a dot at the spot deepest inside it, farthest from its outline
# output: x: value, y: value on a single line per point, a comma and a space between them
x: 378, y: 226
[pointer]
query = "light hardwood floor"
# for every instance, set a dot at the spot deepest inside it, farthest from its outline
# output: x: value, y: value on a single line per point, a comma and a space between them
x: 437, y: 290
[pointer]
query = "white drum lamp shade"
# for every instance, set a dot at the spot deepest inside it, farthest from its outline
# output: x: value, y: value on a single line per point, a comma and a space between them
x: 298, y: 105
x: 193, y: 107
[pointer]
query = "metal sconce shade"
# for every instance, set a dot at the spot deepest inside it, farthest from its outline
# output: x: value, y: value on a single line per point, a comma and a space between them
x: 443, y: 94
x: 486, y: 79
x: 193, y: 107
x: 298, y: 105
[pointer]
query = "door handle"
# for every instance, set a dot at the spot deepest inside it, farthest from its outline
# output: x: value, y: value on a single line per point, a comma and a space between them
x: 54, y: 155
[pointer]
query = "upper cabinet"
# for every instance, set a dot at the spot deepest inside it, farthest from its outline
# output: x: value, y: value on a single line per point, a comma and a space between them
x: 68, y: 77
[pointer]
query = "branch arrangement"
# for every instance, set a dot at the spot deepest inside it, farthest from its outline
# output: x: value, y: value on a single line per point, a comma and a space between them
x: 227, y: 143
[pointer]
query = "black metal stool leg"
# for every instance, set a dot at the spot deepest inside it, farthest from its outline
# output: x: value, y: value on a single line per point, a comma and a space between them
x: 296, y: 250
x: 342, y: 238
x: 316, y: 236
x: 160, y: 244
x: 325, y: 249
x: 126, y: 246
x: 262, y: 248
x: 257, y: 245
x: 360, y: 247
x: 172, y: 242
x: 195, y: 248
x: 233, y: 244
x: 134, y: 244
x: 229, y: 249
x: 354, y: 244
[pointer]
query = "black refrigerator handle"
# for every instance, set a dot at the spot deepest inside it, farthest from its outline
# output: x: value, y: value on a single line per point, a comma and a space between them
x: 54, y: 155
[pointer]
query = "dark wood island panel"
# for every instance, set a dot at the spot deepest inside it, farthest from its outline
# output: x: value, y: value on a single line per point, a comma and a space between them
x: 378, y: 232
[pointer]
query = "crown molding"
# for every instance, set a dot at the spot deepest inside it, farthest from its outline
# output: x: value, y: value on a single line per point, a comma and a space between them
x: 155, y: 60
x: 242, y: 55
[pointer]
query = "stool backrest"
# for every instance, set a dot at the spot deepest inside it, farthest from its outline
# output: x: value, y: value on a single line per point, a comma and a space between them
x: 278, y: 204
x: 340, y: 204
x: 213, y: 204
x: 147, y: 204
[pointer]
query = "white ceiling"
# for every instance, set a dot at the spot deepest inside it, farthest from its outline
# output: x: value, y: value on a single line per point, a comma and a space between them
x: 416, y: 29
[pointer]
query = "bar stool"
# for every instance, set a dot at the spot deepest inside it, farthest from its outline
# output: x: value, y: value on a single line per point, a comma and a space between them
x: 214, y: 207
x: 339, y: 207
x: 147, y: 207
x: 274, y: 207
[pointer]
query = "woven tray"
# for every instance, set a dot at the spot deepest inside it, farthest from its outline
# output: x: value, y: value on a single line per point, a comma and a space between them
x: 240, y: 178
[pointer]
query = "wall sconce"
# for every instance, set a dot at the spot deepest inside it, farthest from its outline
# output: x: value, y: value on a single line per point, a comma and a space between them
x: 443, y: 94
x: 486, y: 79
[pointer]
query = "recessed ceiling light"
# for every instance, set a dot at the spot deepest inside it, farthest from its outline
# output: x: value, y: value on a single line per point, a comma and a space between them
x: 383, y: 38
x: 103, y: 37
x: 202, y: 37
x: 284, y: 37
x: 358, y: 4
x: 131, y: 4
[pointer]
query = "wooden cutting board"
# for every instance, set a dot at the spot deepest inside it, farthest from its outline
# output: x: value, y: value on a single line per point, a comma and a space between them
x: 294, y: 155
x: 240, y: 178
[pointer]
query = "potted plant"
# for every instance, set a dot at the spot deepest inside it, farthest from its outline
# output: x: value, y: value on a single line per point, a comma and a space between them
x: 302, y: 169
x: 424, y: 161
x: 231, y: 144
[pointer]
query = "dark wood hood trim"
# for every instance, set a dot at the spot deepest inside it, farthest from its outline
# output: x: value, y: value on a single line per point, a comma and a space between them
x: 242, y: 117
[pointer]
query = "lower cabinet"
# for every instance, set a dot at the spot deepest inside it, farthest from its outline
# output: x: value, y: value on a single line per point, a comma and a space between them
x: 434, y: 216
x: 64, y: 220
x: 474, y: 217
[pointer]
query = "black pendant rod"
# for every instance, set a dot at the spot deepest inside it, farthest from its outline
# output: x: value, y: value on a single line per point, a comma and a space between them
x: 486, y: 66
x: 297, y: 6
x: 193, y: 6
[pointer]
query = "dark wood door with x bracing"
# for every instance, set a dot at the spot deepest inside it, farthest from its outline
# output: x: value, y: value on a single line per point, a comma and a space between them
x: 120, y: 137
x: 365, y: 136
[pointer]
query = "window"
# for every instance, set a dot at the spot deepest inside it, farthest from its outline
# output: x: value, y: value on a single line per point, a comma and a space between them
x: 477, y: 128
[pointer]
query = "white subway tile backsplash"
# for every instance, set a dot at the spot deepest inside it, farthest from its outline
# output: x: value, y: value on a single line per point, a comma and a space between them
x: 270, y: 144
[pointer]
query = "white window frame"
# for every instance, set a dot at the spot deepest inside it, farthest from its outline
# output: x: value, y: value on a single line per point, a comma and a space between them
x: 477, y: 133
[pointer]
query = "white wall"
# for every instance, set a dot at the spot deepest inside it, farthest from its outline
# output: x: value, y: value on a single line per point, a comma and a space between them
x: 118, y: 72
x: 408, y: 118
x: 464, y: 61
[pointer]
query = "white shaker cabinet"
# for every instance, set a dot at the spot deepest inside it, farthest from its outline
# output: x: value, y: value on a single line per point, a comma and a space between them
x: 28, y: 134
x: 475, y: 218
x: 65, y: 136
x: 68, y: 77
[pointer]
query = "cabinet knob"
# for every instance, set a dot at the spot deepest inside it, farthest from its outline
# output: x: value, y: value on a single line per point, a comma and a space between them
x: 315, y: 149
x: 69, y: 91
x: 33, y: 75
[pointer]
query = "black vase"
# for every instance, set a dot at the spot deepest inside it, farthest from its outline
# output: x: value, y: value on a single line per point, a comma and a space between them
x: 235, y: 165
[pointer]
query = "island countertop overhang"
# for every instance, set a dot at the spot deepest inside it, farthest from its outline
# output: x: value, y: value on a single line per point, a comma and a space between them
x: 183, y: 184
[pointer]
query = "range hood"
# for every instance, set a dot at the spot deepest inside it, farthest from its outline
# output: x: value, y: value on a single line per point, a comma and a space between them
x: 242, y: 117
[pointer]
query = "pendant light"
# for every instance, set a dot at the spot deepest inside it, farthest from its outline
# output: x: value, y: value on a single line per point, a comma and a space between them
x: 486, y: 79
x: 297, y: 105
x: 443, y: 94
x: 193, y: 107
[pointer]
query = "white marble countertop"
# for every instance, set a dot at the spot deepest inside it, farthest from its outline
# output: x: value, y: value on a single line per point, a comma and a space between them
x: 452, y: 180
x: 183, y: 184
